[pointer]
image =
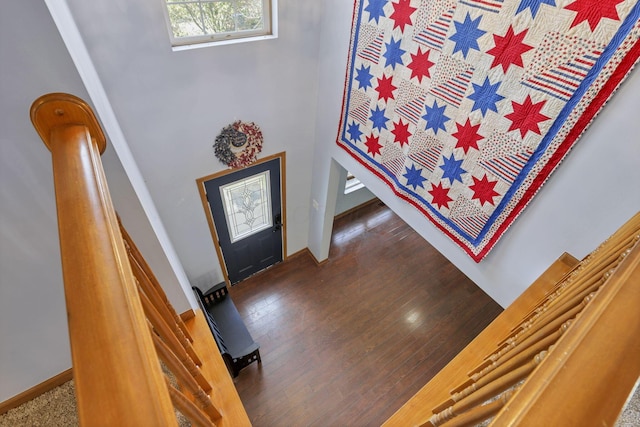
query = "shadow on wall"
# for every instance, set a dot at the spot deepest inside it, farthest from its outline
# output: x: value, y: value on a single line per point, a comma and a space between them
x: 351, y: 192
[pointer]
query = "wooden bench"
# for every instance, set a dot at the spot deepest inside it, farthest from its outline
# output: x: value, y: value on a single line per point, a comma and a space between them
x: 234, y: 341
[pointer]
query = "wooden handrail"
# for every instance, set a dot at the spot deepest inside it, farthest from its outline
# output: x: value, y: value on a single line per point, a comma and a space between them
x: 120, y: 320
x: 117, y: 376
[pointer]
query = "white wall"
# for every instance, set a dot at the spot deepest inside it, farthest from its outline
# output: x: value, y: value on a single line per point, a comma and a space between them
x: 170, y: 271
x: 591, y: 194
x: 34, y: 342
x: 172, y: 105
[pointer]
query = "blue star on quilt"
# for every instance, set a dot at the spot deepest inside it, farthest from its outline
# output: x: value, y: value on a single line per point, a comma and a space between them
x: 435, y: 117
x: 452, y: 169
x: 393, y: 54
x: 364, y: 77
x: 378, y: 119
x: 485, y: 97
x: 467, y: 35
x: 354, y: 132
x: 375, y: 9
x: 414, y: 177
x: 533, y: 5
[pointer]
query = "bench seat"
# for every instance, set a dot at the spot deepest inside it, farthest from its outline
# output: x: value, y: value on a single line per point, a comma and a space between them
x: 234, y: 341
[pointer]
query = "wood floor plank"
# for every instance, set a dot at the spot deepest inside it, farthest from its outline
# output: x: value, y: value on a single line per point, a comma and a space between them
x: 347, y: 342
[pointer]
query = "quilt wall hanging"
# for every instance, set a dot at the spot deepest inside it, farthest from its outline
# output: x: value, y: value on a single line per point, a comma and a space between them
x: 465, y: 107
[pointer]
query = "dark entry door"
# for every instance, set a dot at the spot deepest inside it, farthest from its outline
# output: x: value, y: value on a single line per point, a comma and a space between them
x: 246, y: 206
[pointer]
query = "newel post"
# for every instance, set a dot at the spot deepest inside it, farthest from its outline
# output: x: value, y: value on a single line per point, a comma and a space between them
x: 116, y: 370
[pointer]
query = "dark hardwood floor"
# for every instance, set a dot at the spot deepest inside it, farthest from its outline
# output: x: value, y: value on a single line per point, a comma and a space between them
x: 346, y: 343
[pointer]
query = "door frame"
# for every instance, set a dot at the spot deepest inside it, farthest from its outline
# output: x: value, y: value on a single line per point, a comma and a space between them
x: 207, y: 209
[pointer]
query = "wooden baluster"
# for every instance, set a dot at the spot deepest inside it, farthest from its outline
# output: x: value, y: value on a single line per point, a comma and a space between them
x: 607, y: 256
x: 597, y: 300
x: 568, y: 298
x: 567, y: 303
x: 601, y: 348
x: 185, y: 378
x: 487, y: 392
x: 588, y: 281
x: 481, y: 413
x: 544, y: 326
x: 555, y: 290
x: 607, y: 259
x: 188, y: 408
x: 163, y: 310
x: 533, y: 339
x: 561, y: 301
x: 534, y: 332
x: 161, y: 327
x: 134, y: 253
x: 539, y: 328
x: 500, y: 367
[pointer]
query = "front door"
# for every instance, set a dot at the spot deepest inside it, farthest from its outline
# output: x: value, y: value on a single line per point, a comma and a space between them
x: 247, y: 215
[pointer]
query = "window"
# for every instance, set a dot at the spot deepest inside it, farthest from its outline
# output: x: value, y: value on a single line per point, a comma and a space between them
x: 219, y: 21
x: 247, y: 205
x: 352, y: 184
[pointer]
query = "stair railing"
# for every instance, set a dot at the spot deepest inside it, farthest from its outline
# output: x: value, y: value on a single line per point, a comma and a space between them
x: 569, y: 359
x: 134, y: 361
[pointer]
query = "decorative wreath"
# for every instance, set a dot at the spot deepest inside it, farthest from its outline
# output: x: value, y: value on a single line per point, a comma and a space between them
x: 238, y: 144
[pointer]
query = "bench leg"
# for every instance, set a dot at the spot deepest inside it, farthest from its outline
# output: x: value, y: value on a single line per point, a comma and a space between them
x: 231, y: 366
x: 244, y: 361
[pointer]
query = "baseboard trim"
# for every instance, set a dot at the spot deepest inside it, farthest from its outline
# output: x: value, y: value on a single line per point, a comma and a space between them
x: 189, y: 314
x: 355, y: 208
x: 36, y: 391
x: 307, y: 252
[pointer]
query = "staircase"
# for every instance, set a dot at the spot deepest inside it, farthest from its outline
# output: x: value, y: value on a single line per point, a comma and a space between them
x: 121, y: 325
x: 565, y: 353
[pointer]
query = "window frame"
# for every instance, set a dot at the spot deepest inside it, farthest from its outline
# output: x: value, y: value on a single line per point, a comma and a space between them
x: 269, y: 30
x: 352, y: 184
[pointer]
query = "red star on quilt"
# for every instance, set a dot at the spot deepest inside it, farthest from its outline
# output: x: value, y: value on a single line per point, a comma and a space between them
x: 526, y: 116
x: 420, y: 65
x: 401, y: 132
x: 373, y: 145
x: 385, y: 88
x: 593, y: 11
x: 467, y: 136
x: 402, y: 12
x: 509, y: 49
x: 483, y: 190
x: 440, y: 196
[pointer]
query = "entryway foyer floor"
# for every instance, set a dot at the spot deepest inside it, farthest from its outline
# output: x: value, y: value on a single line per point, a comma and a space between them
x: 346, y: 343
